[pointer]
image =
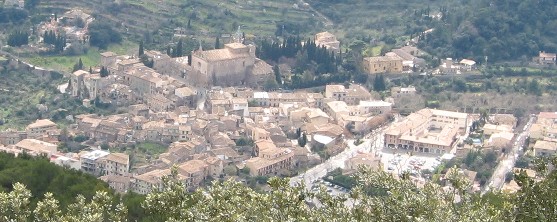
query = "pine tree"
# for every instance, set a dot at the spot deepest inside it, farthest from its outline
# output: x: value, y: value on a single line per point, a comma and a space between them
x: 141, y: 50
x: 189, y: 24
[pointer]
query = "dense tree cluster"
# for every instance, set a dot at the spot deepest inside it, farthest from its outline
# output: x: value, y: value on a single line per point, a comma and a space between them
x: 13, y: 15
x: 58, y: 41
x: 18, y: 38
x: 102, y: 34
x: 500, y: 30
x: 308, y: 52
x: 40, y: 176
x: 31, y: 4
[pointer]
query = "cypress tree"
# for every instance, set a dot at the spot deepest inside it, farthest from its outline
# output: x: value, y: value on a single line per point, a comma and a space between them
x: 217, y: 43
x: 179, y: 49
x: 277, y: 74
x: 141, y: 50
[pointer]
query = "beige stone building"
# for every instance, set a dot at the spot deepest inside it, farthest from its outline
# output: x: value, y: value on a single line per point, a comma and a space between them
x: 76, y: 83
x: 11, y: 137
x: 490, y: 129
x: 35, y: 147
x: 227, y: 66
x: 327, y: 40
x: 363, y: 159
x: 270, y: 160
x: 545, y: 58
x: 428, y: 131
x: 108, y: 59
x: 117, y: 164
x: 40, y: 128
x: 545, y: 148
x: 352, y: 96
x: 397, y: 92
x: 382, y: 64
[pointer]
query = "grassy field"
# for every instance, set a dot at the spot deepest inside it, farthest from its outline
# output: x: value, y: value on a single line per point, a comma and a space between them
x: 92, y: 58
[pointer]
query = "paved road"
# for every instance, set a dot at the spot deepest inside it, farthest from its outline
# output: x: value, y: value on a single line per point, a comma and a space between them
x: 507, y: 163
x: 372, y: 141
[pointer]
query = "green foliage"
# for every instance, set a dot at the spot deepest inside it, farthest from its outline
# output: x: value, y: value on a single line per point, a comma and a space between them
x: 40, y: 176
x: 501, y: 30
x: 375, y: 196
x: 31, y: 4
x: 217, y: 43
x: 345, y: 181
x: 104, y: 72
x: 58, y: 41
x: 12, y: 15
x: 302, y: 141
x: 78, y: 65
x: 102, y: 34
x: 244, y: 142
x: 271, y: 84
x: 18, y: 38
x: 146, y: 61
x: 278, y: 76
x: 379, y: 83
x: 141, y: 49
x: 480, y: 161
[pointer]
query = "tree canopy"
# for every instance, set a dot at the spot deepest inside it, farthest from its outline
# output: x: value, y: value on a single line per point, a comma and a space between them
x: 500, y: 30
x: 375, y: 196
x: 102, y: 34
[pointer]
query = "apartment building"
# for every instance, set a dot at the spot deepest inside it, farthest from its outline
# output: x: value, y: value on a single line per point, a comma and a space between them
x: 270, y: 160
x: 40, y: 128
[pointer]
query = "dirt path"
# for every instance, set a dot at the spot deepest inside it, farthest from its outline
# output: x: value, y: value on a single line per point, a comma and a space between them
x: 326, y: 21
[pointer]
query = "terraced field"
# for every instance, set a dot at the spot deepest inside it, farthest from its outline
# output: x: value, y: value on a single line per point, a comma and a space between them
x: 208, y: 17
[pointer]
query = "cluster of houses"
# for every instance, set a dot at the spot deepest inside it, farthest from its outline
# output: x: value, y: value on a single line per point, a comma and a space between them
x: 41, y: 138
x: 400, y: 60
x: 232, y: 127
x: 543, y: 135
x: 73, y: 24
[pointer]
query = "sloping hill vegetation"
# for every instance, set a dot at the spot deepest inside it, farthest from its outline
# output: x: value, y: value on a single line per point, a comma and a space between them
x: 377, y: 196
x: 501, y: 30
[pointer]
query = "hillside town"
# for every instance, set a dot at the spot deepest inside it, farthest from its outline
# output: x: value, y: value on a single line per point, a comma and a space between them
x: 215, y: 129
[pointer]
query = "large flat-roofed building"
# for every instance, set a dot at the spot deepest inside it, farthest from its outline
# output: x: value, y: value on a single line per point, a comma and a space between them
x: 382, y: 64
x: 35, y: 147
x: 227, y: 66
x: 427, y: 131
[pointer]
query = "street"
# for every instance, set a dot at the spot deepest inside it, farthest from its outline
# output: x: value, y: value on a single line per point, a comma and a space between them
x: 507, y: 163
x: 372, y: 141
